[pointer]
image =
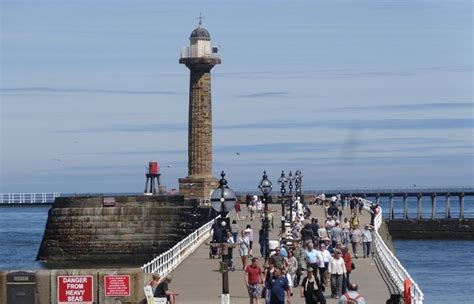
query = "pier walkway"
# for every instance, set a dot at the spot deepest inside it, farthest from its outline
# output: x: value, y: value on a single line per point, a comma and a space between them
x: 198, y: 280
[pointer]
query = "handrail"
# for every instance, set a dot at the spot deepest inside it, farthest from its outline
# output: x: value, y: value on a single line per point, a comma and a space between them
x: 170, y: 259
x: 395, y: 269
x: 28, y: 198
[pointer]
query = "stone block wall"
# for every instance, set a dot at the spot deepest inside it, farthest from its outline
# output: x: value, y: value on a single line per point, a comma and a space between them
x: 432, y: 229
x: 132, y: 231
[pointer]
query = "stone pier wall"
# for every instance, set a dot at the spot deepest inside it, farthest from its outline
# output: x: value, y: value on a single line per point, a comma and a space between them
x: 432, y: 229
x: 131, y: 230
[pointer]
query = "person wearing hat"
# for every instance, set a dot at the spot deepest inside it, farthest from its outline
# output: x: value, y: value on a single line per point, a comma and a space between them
x: 311, y: 289
x: 367, y: 239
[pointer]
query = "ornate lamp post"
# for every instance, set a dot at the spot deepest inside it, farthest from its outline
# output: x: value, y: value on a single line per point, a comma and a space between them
x: 266, y: 187
x: 298, y: 180
x: 282, y: 181
x: 223, y: 200
x: 290, y: 182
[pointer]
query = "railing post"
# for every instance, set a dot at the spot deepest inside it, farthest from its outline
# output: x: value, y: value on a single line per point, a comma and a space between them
x: 405, y: 206
x: 419, y: 215
x: 461, y: 205
x: 448, y: 205
x: 391, y: 214
x: 433, y: 206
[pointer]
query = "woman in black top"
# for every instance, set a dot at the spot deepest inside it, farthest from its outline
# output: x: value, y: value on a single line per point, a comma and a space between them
x: 311, y: 290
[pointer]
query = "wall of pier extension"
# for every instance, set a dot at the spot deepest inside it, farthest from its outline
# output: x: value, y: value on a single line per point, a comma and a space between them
x: 127, y: 230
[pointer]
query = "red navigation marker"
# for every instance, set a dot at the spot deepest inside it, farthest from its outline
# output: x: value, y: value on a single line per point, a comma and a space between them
x: 75, y: 289
x: 117, y: 285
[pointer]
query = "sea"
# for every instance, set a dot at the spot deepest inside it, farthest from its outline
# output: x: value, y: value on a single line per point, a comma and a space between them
x: 442, y: 268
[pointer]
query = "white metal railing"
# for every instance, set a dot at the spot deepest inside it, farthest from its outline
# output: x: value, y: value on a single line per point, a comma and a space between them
x: 170, y: 259
x: 398, y: 273
x: 214, y: 52
x: 28, y: 198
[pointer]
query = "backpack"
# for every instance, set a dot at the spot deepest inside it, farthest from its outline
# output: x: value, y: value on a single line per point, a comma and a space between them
x: 350, y: 300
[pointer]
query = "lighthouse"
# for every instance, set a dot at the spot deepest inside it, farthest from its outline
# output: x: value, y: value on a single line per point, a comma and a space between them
x: 199, y: 57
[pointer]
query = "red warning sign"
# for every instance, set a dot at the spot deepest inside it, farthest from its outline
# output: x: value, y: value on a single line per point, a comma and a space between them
x: 75, y: 289
x: 117, y: 285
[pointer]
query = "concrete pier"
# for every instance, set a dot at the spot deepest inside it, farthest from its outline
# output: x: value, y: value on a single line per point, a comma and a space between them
x: 198, y: 280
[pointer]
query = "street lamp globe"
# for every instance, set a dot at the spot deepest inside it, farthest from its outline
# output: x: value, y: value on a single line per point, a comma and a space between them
x: 265, y: 184
x: 223, y: 198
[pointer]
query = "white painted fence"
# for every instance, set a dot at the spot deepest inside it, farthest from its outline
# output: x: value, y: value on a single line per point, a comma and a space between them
x: 169, y: 260
x: 28, y: 198
x: 395, y: 269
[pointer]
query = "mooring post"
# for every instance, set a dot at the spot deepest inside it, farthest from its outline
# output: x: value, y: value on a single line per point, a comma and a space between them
x: 405, y: 206
x: 433, y: 206
x: 448, y: 205
x: 461, y: 205
x: 391, y: 214
x: 418, y: 213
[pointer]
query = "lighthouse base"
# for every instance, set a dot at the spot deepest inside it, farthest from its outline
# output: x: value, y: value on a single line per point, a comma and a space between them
x: 197, y: 187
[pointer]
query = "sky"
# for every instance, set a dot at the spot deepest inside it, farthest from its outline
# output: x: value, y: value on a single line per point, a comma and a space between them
x: 355, y: 94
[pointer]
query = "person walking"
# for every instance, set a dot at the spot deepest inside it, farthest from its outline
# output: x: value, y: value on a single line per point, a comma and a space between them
x: 244, y: 248
x: 323, y: 272
x: 336, y: 235
x: 249, y: 232
x: 237, y: 209
x: 311, y: 289
x: 346, y: 228
x: 299, y: 255
x: 292, y: 263
x: 312, y: 257
x: 253, y: 277
x: 278, y: 287
x: 352, y: 296
x: 234, y: 228
x: 367, y: 240
x: 336, y: 269
x: 346, y: 256
x: 356, y: 240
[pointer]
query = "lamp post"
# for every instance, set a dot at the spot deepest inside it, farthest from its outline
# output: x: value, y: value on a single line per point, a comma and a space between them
x: 266, y: 187
x: 290, y: 182
x: 298, y: 180
x: 223, y: 200
x: 282, y: 181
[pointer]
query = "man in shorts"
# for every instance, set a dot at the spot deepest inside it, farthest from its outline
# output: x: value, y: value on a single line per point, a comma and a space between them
x: 253, y: 277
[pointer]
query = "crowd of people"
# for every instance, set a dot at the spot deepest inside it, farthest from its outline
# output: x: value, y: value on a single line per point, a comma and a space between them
x: 311, y: 256
x: 312, y: 259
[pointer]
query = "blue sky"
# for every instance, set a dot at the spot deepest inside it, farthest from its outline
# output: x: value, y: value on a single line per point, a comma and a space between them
x: 353, y: 93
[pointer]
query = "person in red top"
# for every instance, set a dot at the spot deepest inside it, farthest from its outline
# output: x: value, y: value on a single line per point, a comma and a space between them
x: 237, y: 209
x: 346, y: 256
x: 253, y: 277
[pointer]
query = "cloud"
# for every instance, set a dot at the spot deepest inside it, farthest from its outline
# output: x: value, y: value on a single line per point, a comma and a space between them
x: 412, y: 107
x: 85, y: 90
x: 380, y: 124
x: 264, y: 94
x: 171, y: 127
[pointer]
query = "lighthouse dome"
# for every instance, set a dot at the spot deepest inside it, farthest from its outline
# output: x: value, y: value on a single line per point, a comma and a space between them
x: 200, y: 33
